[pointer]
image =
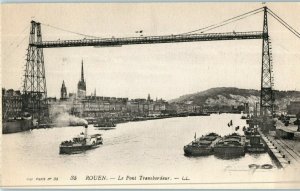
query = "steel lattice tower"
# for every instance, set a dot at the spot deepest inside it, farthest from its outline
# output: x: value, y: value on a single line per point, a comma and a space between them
x: 35, y: 90
x: 266, y: 94
x: 35, y: 83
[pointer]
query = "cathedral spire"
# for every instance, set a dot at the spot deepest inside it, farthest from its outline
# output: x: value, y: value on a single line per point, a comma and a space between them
x: 63, y: 91
x: 82, y: 75
x: 81, y: 87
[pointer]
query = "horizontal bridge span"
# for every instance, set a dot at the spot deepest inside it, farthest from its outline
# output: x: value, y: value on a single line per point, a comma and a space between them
x: 111, y: 42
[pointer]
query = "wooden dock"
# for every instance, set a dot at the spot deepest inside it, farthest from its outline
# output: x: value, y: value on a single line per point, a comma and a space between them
x: 277, y: 155
x: 283, y: 144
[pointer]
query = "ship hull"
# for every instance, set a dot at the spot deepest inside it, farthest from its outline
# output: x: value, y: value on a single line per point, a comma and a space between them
x: 104, y: 125
x: 254, y: 149
x: 205, y: 148
x: 197, y: 151
x: 105, y: 128
x: 16, y: 126
x: 76, y: 149
x: 229, y: 151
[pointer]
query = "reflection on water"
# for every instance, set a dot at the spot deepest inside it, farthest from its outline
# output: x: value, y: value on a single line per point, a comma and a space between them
x: 137, y: 148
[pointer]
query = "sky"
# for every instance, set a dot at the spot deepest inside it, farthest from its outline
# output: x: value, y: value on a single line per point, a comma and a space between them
x: 164, y: 70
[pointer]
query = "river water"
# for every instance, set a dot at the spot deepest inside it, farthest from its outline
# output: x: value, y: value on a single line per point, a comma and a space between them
x: 134, y: 149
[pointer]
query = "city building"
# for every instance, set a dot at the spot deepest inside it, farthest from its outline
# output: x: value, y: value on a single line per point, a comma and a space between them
x: 82, y: 105
x: 12, y: 104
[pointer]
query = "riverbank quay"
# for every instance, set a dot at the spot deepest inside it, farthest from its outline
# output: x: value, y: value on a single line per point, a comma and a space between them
x: 283, y: 149
x: 118, y: 120
x: 90, y: 120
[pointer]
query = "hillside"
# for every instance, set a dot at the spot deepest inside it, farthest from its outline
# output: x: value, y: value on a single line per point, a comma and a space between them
x: 230, y: 96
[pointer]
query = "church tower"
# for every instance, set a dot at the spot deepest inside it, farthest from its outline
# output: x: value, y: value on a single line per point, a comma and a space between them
x: 81, y: 87
x: 148, y: 98
x: 63, y: 91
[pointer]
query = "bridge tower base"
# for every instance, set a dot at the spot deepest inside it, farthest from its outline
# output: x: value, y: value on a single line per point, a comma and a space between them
x: 266, y: 94
x: 34, y: 89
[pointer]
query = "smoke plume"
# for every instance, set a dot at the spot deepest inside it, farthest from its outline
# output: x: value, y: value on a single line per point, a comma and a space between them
x: 64, y: 119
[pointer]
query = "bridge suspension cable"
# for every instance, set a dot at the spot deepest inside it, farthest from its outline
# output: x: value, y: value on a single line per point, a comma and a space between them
x: 281, y: 21
x: 227, y: 21
x: 207, y: 28
x: 65, y: 30
x: 15, y: 48
x: 15, y: 45
x: 36, y: 92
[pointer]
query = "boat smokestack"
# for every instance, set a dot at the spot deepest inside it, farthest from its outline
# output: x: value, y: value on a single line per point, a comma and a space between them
x: 85, y: 130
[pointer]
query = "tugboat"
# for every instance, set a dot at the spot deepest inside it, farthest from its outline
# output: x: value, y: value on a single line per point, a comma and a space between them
x: 202, y: 146
x: 81, y: 143
x: 254, y: 145
x: 253, y: 141
x: 231, y: 146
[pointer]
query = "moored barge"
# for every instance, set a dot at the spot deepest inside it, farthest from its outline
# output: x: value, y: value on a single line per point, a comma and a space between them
x: 202, y: 146
x: 231, y: 146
